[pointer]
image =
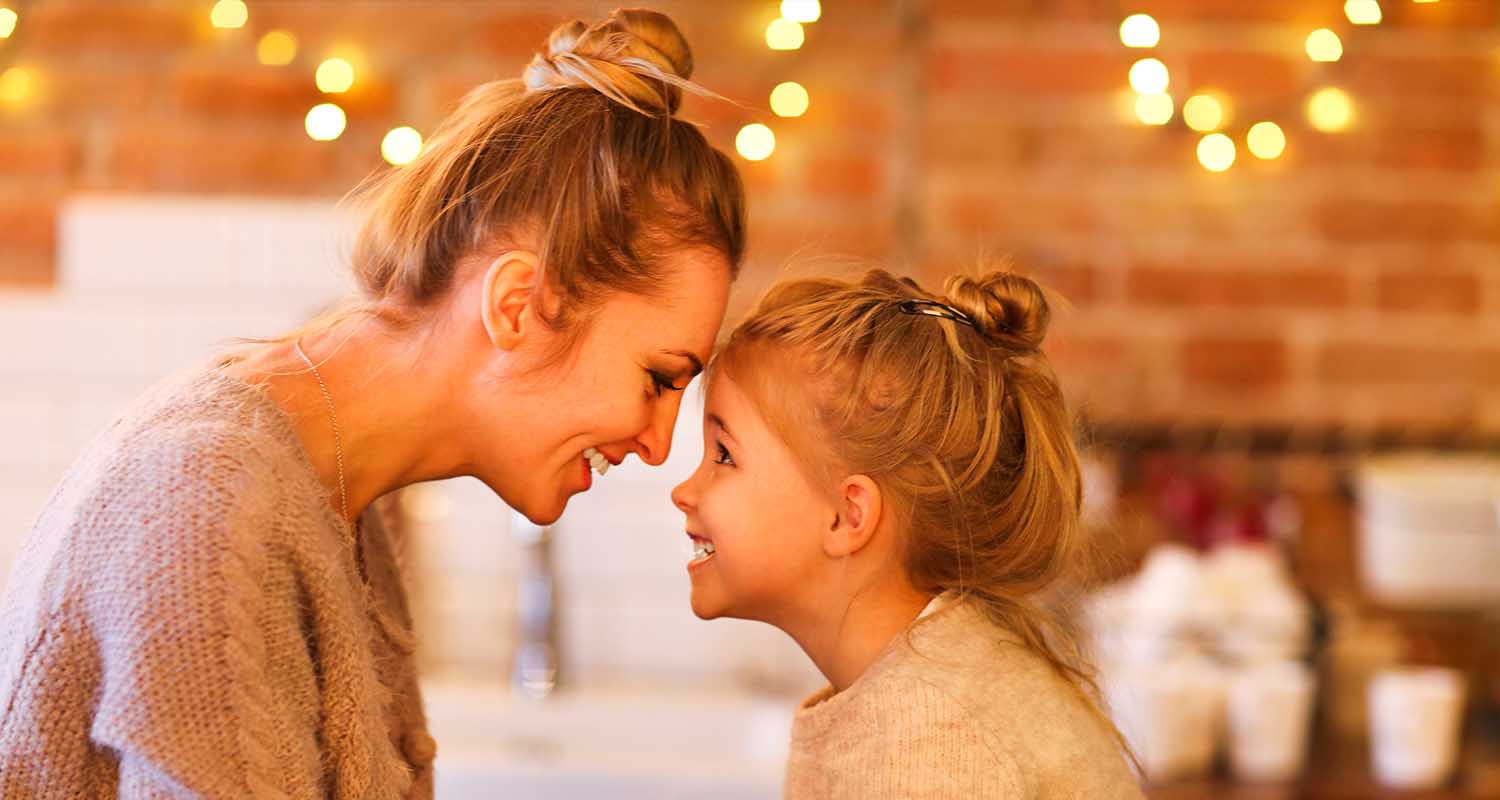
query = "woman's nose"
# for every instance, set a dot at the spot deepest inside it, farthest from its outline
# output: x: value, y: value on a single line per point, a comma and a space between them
x: 654, y: 444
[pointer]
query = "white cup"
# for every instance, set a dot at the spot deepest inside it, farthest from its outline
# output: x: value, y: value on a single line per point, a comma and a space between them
x: 1171, y: 714
x: 1270, y: 711
x: 1415, y: 716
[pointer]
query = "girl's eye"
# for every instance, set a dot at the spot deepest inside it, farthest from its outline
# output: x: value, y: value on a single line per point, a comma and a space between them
x: 723, y: 455
x: 663, y: 383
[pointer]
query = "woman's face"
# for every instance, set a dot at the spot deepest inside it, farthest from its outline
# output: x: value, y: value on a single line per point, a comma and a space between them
x: 750, y: 499
x: 618, y: 392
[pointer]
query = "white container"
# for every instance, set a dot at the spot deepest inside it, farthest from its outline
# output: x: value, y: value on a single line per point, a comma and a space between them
x: 1270, y: 712
x: 1171, y: 715
x: 1415, y: 716
x: 1429, y: 531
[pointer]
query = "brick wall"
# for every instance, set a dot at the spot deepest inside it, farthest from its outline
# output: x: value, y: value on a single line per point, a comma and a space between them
x: 1352, y: 280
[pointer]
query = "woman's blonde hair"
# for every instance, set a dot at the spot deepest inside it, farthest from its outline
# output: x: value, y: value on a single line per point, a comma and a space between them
x: 957, y: 417
x: 583, y: 154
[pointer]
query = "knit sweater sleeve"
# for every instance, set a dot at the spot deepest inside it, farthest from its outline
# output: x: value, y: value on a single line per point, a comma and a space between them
x: 177, y: 560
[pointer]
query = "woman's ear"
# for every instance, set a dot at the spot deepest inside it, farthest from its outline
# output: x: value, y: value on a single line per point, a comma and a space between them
x: 857, y: 509
x: 507, y: 298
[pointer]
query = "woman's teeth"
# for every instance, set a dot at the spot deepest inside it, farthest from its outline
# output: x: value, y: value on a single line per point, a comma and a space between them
x: 597, y: 460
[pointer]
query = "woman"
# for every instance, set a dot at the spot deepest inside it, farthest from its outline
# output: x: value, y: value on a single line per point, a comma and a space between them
x: 208, y: 605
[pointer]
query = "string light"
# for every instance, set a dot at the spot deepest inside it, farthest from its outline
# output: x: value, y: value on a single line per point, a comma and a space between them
x: 1323, y: 45
x: 1154, y: 109
x: 335, y: 76
x: 15, y: 86
x: 1265, y: 140
x: 801, y: 10
x: 1363, y: 12
x: 1216, y: 152
x: 784, y: 34
x: 277, y: 49
x: 1203, y: 113
x: 1149, y: 76
x: 1330, y: 110
x: 8, y: 19
x: 401, y: 146
x: 1140, y: 30
x: 755, y: 142
x: 789, y: 99
x: 325, y: 122
x: 1424, y: 1
x: 229, y: 14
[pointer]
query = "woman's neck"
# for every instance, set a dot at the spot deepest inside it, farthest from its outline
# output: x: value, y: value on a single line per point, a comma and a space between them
x: 843, y: 644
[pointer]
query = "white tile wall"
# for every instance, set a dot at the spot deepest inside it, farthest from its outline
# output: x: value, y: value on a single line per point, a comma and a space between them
x: 149, y: 285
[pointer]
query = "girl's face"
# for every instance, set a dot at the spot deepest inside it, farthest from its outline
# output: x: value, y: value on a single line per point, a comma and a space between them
x: 752, y: 502
x: 617, y: 393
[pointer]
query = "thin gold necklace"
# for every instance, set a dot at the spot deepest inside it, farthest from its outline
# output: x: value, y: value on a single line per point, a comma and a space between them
x: 338, y: 445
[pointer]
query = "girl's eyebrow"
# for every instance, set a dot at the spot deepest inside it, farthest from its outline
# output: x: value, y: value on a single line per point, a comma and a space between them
x: 719, y: 421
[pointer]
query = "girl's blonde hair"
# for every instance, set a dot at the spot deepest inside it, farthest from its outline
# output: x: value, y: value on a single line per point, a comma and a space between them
x: 961, y: 422
x: 584, y: 154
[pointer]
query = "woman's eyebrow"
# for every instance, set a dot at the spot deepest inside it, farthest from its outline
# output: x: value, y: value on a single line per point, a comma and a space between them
x: 692, y: 357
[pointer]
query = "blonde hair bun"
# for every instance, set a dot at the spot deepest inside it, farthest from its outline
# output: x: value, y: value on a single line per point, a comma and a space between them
x: 1008, y: 308
x: 636, y: 57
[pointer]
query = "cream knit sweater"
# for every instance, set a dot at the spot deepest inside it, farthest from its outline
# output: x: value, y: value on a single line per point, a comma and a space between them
x: 963, y: 711
x: 190, y: 618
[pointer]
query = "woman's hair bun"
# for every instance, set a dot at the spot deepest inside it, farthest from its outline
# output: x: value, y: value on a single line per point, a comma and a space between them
x: 1008, y: 308
x: 636, y: 57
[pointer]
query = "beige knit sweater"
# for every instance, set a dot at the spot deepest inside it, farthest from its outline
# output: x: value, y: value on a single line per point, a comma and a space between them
x: 962, y: 711
x: 190, y: 618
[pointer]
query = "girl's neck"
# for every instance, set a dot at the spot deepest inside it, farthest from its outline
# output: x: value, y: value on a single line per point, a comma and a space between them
x: 843, y: 644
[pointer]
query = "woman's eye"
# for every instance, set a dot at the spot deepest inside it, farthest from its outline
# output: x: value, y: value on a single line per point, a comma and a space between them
x: 663, y: 383
x: 723, y: 456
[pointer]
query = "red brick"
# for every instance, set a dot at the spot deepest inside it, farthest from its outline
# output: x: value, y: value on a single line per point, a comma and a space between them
x: 1234, y: 361
x: 73, y: 90
x: 42, y: 154
x: 517, y: 36
x: 79, y: 25
x: 1241, y: 73
x: 1022, y: 70
x: 1186, y: 286
x: 1454, y: 75
x: 1346, y: 220
x: 1395, y: 362
x: 976, y: 213
x: 1430, y: 148
x: 216, y: 91
x: 391, y: 34
x: 28, y: 227
x: 164, y: 155
x: 1428, y: 290
x: 842, y: 176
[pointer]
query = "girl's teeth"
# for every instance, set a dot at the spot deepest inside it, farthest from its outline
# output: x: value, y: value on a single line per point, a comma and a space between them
x: 702, y: 549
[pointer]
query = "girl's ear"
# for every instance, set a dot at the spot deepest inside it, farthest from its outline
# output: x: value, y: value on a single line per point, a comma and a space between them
x: 857, y: 508
x: 507, y: 298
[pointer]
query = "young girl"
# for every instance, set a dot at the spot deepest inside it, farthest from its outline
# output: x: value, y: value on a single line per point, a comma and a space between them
x: 890, y: 478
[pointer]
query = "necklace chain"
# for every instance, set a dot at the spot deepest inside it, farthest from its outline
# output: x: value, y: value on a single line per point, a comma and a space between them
x: 338, y: 445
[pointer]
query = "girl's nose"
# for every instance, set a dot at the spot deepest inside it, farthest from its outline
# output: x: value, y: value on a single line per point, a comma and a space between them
x: 682, y: 496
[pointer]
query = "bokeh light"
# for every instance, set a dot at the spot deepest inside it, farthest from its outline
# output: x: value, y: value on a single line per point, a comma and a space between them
x: 789, y: 99
x: 1330, y: 110
x: 8, y: 19
x: 16, y: 86
x: 277, y: 49
x: 1265, y: 140
x: 801, y: 10
x: 1363, y: 12
x: 335, y: 76
x: 784, y: 34
x: 1203, y: 113
x: 1154, y: 109
x: 755, y: 142
x: 401, y: 146
x: 229, y: 14
x: 1149, y: 76
x: 325, y: 122
x: 1323, y: 45
x: 1216, y: 152
x: 1140, y: 30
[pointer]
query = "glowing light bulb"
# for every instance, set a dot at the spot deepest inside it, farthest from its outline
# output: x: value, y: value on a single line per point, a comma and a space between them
x: 1140, y: 30
x: 1149, y: 76
x: 784, y: 34
x: 1330, y: 110
x: 1154, y: 109
x: 229, y: 14
x: 335, y: 76
x: 401, y: 146
x: 755, y: 142
x: 789, y: 99
x: 801, y: 10
x: 1265, y: 140
x: 1216, y: 152
x: 277, y: 49
x: 1203, y: 113
x: 325, y: 122
x: 15, y: 86
x: 8, y: 19
x: 1363, y: 12
x: 1323, y: 45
